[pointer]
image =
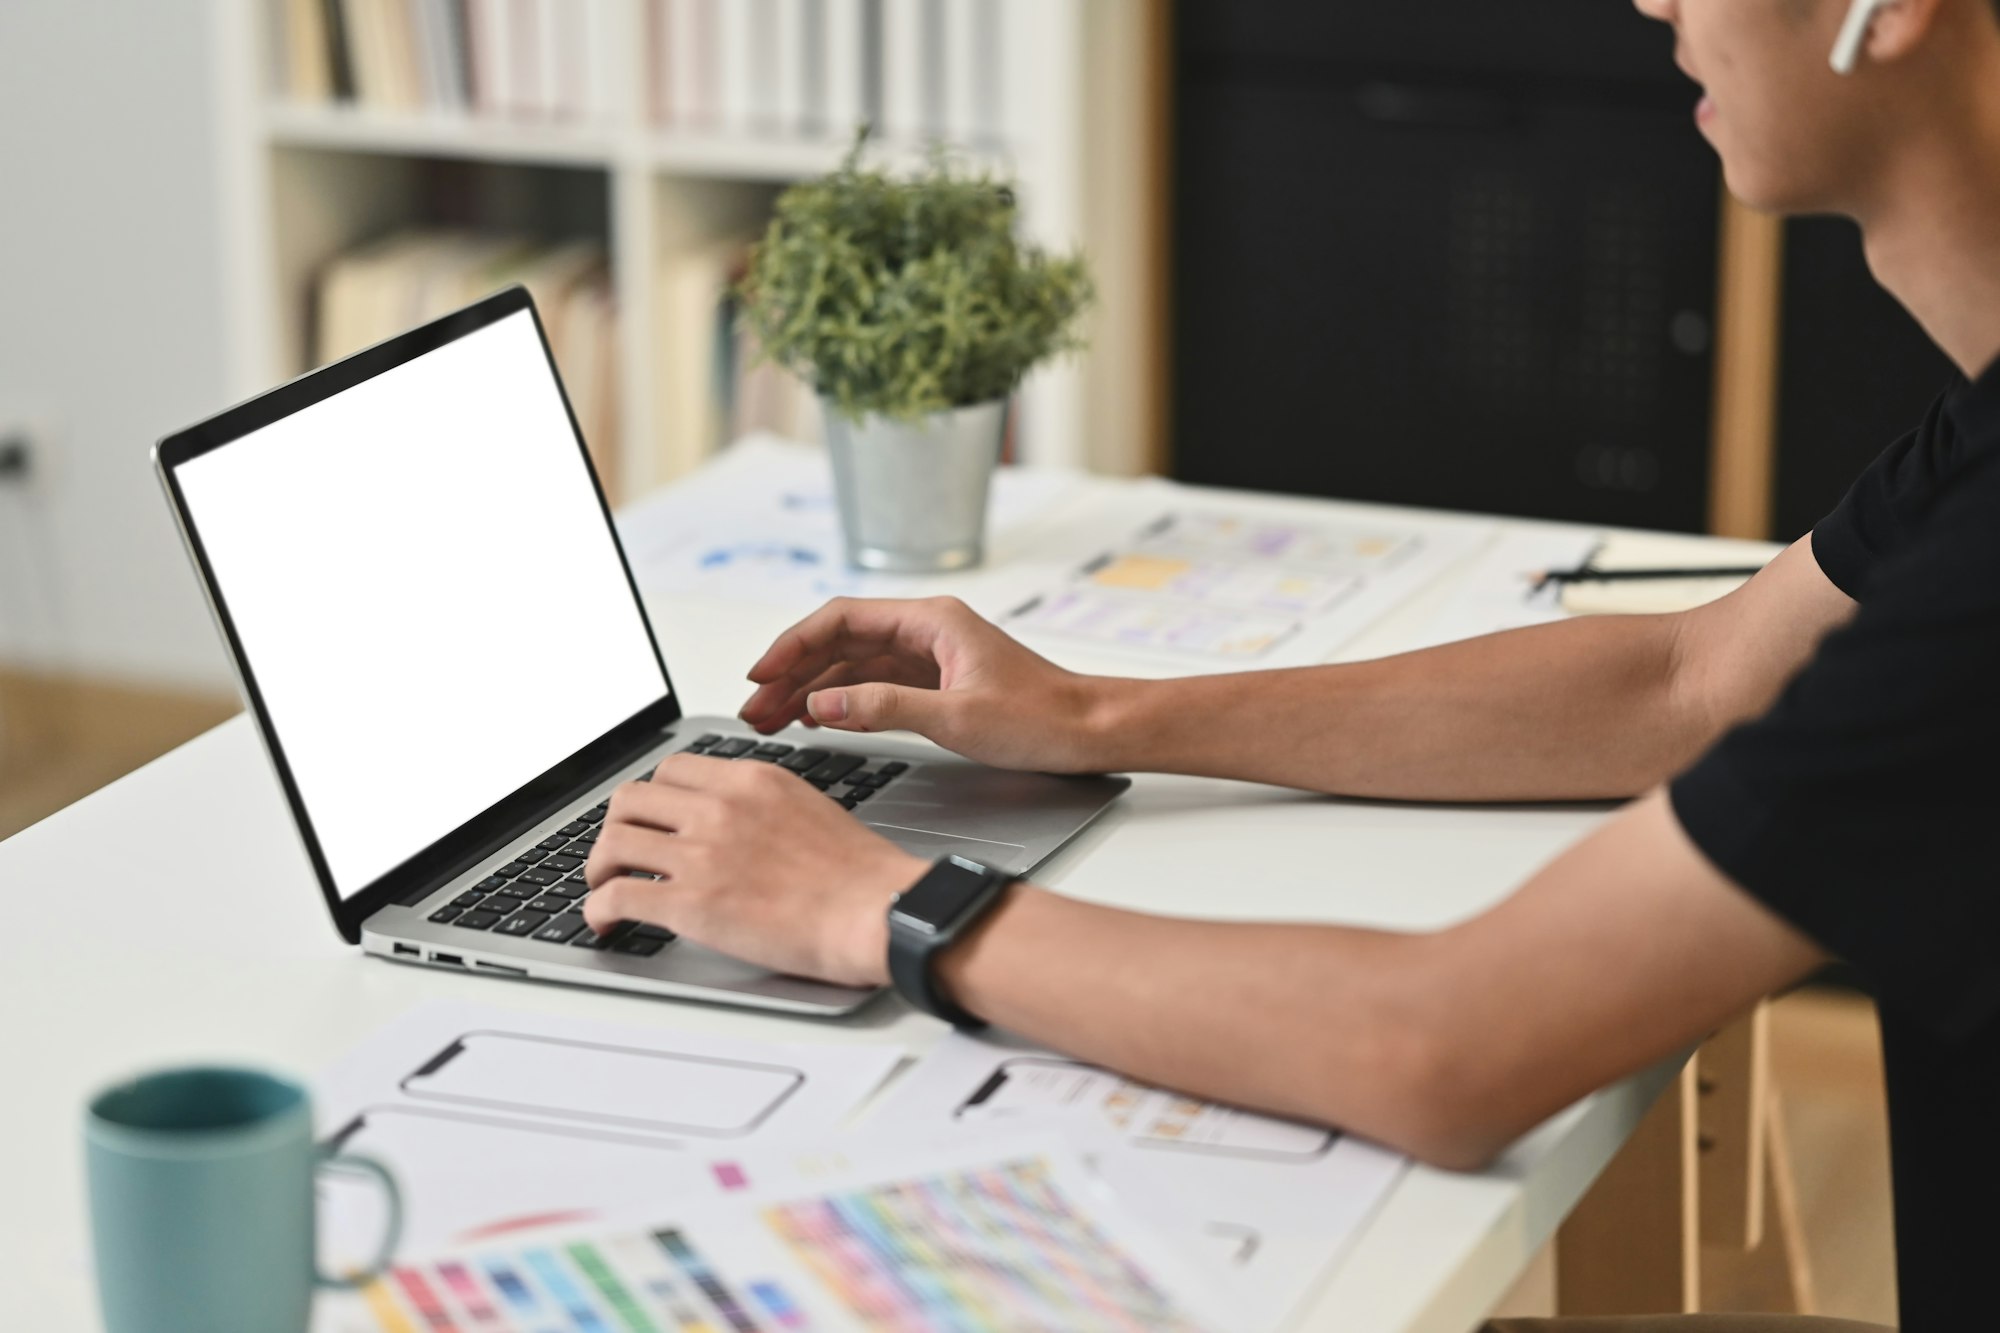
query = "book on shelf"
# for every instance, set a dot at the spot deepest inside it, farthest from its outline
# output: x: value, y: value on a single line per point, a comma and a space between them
x: 713, y: 386
x: 377, y: 290
x: 522, y: 59
x: 921, y: 70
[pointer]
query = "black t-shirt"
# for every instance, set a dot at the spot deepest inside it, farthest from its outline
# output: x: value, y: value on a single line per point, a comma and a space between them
x: 1864, y: 808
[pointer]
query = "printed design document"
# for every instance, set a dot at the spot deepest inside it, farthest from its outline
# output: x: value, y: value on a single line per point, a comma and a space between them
x: 1010, y: 1232
x: 1263, y: 1205
x: 496, y: 1119
x: 1248, y: 586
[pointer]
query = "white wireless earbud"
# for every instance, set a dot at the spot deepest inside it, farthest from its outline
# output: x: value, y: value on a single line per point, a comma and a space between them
x: 1847, y: 50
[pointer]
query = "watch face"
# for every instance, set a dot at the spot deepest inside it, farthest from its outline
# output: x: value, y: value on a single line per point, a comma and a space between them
x: 936, y: 900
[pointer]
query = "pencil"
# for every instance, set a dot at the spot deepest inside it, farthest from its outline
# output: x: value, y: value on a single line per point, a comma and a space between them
x: 1586, y: 575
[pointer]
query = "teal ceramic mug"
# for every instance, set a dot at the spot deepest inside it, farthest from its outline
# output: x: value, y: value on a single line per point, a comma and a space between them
x: 202, y: 1203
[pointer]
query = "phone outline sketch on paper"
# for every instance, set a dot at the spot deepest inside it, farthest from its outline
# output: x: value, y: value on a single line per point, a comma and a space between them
x: 796, y: 1080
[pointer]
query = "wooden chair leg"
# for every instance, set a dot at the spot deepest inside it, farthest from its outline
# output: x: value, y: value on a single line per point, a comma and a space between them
x: 1633, y: 1246
x: 1783, y: 1234
x: 1733, y: 1075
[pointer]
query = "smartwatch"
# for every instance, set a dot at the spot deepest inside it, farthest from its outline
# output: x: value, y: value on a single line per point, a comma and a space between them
x: 927, y: 917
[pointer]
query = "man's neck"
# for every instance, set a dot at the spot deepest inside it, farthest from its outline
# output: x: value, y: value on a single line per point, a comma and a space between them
x: 1933, y: 233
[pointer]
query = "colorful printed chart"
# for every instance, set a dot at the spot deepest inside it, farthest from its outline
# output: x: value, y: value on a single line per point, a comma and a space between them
x: 995, y: 1248
x: 990, y: 1242
x: 657, y: 1283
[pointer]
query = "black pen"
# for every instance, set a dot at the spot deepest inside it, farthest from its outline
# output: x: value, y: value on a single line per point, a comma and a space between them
x: 1589, y: 575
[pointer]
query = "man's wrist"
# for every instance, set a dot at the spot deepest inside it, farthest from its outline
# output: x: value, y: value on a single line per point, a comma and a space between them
x: 862, y: 949
x: 1123, y: 723
x: 1106, y: 721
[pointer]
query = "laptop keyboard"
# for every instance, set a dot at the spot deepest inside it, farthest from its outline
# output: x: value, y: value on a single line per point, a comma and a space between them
x: 538, y: 894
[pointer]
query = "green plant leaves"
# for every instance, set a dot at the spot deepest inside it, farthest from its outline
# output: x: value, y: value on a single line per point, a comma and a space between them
x: 908, y: 297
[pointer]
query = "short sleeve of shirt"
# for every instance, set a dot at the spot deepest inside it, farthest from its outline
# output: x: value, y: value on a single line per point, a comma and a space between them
x: 1864, y: 807
x: 1887, y: 503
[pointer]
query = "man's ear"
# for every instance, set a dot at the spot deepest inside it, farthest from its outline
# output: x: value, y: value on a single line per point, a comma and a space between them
x: 1900, y: 27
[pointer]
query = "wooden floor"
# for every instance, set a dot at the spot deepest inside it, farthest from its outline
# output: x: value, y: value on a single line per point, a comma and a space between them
x: 61, y: 739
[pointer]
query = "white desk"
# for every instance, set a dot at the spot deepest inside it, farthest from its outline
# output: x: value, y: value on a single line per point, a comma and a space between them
x: 174, y: 917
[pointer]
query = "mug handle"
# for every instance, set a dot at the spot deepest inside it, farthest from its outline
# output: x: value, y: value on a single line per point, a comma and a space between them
x: 367, y: 1166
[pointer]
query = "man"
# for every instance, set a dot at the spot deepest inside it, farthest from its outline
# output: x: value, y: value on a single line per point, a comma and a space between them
x: 1816, y: 758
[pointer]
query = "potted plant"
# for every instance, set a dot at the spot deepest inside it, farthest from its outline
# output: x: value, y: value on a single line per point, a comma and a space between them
x: 914, y: 311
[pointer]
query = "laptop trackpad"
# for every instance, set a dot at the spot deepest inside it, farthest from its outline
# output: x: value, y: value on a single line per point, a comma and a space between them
x: 931, y: 844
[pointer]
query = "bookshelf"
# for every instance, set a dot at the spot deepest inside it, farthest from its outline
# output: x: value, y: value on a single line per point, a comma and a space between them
x: 305, y: 181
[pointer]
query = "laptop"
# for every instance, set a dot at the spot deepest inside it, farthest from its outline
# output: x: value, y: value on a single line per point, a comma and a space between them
x: 412, y: 564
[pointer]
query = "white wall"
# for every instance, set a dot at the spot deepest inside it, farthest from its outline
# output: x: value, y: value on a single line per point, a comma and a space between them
x: 111, y: 325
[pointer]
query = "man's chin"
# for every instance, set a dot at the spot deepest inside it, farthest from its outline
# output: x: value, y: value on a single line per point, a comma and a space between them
x: 1776, y: 197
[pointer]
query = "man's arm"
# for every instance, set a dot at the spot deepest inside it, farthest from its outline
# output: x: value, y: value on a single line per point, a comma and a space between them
x: 1603, y: 706
x: 1596, y: 707
x: 1450, y: 1045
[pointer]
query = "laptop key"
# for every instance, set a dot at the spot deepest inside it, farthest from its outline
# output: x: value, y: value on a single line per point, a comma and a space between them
x: 506, y: 895
x: 478, y: 919
x: 447, y: 914
x: 562, y: 862
x: 574, y: 827
x: 580, y: 848
x: 538, y: 877
x: 876, y: 779
x: 894, y: 767
x: 531, y: 855
x: 732, y: 748
x: 804, y: 761
x: 567, y: 891
x: 562, y: 929
x: 550, y: 903
x: 773, y: 749
x: 702, y: 742
x: 523, y: 922
x: 594, y: 815
x: 590, y: 939
x: 508, y: 871
x: 859, y: 793
x: 490, y: 883
x: 847, y: 802
x: 660, y: 933
x: 470, y: 898
x: 552, y: 843
x: 640, y: 945
x: 835, y: 768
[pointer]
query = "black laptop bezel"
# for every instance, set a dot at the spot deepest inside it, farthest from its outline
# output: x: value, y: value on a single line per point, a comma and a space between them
x: 453, y: 852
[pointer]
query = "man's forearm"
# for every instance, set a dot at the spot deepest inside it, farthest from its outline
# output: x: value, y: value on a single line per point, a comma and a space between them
x: 1579, y: 709
x: 1243, y: 1013
x: 1620, y: 952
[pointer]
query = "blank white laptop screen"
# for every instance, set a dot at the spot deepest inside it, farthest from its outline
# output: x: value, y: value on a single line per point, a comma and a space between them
x: 426, y: 592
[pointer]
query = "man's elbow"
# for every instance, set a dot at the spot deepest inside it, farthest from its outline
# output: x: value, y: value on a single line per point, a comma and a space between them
x: 1443, y: 1105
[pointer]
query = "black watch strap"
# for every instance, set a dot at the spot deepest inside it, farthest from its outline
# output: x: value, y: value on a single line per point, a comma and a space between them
x: 926, y: 918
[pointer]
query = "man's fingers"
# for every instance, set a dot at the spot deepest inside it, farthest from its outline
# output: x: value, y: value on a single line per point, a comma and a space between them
x: 628, y: 899
x: 822, y: 633
x: 853, y: 628
x: 894, y: 670
x: 878, y: 706
x: 624, y: 848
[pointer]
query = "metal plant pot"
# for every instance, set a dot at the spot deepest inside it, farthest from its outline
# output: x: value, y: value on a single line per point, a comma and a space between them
x: 913, y: 493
